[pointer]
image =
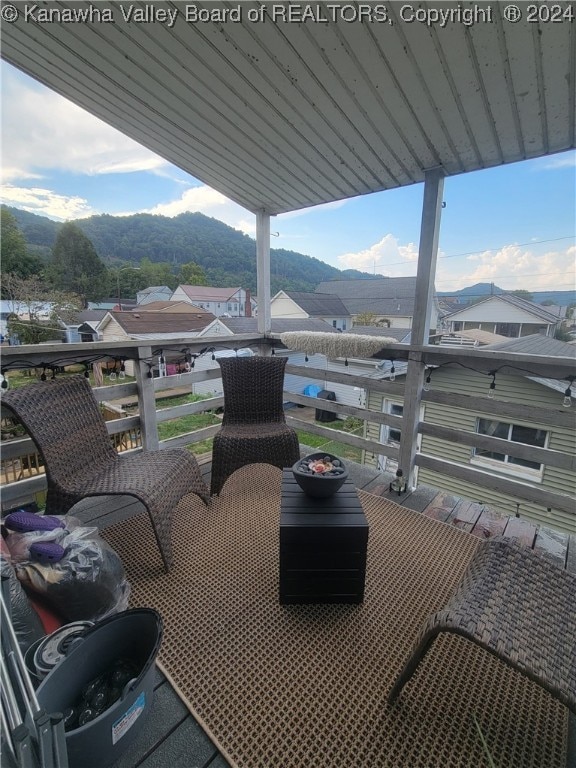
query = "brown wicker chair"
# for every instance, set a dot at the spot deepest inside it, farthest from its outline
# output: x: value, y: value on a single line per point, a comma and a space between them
x: 64, y: 419
x: 254, y: 427
x: 518, y: 606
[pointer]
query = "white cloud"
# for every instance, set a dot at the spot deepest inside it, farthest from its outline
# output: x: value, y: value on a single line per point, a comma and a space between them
x: 42, y: 130
x: 208, y: 201
x: 512, y: 267
x: 45, y: 202
x: 386, y: 257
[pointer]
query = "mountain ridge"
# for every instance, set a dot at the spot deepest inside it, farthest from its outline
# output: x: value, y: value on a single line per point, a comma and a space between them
x: 227, y: 256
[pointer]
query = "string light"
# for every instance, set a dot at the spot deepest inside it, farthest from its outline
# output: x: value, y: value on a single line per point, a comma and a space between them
x: 426, y: 385
x: 122, y: 374
x: 492, y: 385
x: 567, y: 402
x: 392, y: 372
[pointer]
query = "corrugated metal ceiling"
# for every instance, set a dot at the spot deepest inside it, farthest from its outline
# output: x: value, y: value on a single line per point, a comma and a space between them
x: 280, y: 115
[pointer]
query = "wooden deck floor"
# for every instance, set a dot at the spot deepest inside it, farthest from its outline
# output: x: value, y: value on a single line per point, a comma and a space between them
x: 173, y: 737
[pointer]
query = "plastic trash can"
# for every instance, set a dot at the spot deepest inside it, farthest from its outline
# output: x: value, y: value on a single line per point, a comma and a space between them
x: 136, y: 635
x: 321, y: 415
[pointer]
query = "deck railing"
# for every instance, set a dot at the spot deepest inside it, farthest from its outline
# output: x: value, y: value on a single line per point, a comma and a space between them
x: 410, y: 391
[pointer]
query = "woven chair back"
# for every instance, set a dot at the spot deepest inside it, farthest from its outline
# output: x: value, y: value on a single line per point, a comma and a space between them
x: 253, y: 388
x: 63, y: 418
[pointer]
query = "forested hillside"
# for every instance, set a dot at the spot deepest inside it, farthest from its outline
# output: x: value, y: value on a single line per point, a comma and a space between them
x: 227, y: 256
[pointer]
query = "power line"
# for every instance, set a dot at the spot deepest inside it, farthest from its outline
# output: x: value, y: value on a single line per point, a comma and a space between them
x: 486, y: 250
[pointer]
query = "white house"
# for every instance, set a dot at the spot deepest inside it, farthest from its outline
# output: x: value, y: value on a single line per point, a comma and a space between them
x: 390, y: 299
x: 506, y: 315
x: 298, y: 304
x: 234, y: 302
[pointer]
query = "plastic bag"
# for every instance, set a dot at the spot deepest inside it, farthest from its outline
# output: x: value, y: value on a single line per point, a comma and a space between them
x: 25, y: 620
x: 86, y: 582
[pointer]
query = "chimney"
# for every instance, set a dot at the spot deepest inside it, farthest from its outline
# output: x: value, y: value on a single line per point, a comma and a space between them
x: 247, y: 304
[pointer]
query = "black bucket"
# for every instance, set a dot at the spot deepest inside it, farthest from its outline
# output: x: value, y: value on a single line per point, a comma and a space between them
x: 134, y: 635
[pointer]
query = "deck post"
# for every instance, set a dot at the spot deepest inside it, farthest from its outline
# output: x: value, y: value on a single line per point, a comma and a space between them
x: 263, y: 270
x: 427, y: 254
x: 146, y: 401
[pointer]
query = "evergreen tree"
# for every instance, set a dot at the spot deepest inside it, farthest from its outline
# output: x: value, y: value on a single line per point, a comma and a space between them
x: 75, y: 266
x: 14, y: 254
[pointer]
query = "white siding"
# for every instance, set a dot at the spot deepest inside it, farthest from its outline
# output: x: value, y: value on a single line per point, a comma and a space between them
x: 283, y: 306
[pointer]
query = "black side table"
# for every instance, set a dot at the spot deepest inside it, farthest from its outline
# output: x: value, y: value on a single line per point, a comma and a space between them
x: 323, y: 545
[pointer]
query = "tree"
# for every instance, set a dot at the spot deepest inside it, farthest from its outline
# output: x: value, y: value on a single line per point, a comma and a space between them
x: 37, y: 308
x: 192, y: 274
x: 371, y: 318
x: 14, y: 254
x: 75, y: 266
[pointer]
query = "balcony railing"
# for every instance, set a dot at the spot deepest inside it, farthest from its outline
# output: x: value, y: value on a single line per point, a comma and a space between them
x: 558, y: 507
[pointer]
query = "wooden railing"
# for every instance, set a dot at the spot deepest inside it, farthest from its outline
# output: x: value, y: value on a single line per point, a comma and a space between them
x: 410, y: 391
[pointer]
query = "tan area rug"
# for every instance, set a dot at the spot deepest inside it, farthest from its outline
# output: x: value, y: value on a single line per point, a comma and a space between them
x: 297, y: 686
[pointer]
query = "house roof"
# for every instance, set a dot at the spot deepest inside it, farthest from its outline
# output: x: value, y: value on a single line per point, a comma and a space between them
x: 155, y: 289
x: 134, y: 323
x: 318, y: 305
x: 516, y: 301
x: 536, y: 344
x: 291, y: 112
x: 89, y: 316
x: 208, y: 292
x: 170, y: 306
x: 382, y: 296
x: 482, y: 337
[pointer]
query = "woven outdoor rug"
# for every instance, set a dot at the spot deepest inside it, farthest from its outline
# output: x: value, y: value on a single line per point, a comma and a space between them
x: 305, y: 686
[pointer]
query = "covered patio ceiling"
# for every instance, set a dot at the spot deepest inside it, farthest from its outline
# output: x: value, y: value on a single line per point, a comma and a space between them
x: 300, y: 104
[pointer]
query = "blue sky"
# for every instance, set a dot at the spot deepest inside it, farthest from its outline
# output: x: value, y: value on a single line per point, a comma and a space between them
x: 513, y: 225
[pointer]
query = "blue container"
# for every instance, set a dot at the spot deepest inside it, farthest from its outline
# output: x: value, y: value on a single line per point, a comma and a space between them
x: 135, y: 635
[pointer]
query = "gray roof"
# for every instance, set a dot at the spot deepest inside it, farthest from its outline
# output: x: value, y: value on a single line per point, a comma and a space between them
x: 279, y: 324
x: 319, y: 305
x: 383, y: 296
x: 89, y: 316
x: 536, y: 344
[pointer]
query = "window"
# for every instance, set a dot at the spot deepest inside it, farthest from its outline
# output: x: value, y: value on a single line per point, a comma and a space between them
x: 515, y: 434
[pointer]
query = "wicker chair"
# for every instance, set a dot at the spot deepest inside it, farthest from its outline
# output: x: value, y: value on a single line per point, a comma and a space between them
x: 518, y: 606
x: 254, y: 427
x: 64, y: 420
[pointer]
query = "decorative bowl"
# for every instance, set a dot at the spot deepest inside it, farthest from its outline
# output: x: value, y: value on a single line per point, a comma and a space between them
x: 320, y: 475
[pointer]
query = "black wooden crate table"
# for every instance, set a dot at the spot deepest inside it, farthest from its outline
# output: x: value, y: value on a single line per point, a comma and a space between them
x: 323, y: 545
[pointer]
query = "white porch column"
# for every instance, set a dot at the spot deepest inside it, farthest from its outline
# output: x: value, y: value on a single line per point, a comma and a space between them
x: 263, y: 270
x: 427, y: 254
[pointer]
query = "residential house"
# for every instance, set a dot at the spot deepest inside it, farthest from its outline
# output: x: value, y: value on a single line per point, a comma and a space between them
x: 506, y: 315
x: 120, y: 326
x: 234, y: 302
x: 311, y: 305
x: 390, y: 299
x: 84, y: 326
x: 542, y: 398
x: 152, y: 294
